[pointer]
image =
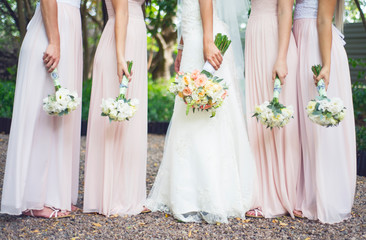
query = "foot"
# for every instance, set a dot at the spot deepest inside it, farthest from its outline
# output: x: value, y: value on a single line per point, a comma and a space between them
x: 145, y: 210
x: 298, y: 213
x: 46, y: 212
x: 74, y: 208
x: 255, y: 213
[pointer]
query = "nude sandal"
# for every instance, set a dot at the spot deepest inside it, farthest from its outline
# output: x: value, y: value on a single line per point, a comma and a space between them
x: 257, y: 213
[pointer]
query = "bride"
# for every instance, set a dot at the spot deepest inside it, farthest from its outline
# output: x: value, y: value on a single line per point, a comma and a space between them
x: 207, y: 172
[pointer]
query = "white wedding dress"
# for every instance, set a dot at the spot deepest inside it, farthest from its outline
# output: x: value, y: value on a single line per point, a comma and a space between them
x: 207, y: 172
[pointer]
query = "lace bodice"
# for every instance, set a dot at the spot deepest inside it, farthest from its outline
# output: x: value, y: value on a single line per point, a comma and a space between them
x: 263, y: 7
x: 306, y: 9
x: 134, y: 8
x: 191, y: 15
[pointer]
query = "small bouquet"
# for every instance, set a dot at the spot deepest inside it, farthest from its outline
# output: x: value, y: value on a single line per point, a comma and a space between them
x: 328, y: 112
x: 120, y: 109
x: 63, y: 101
x: 274, y: 114
x: 201, y: 90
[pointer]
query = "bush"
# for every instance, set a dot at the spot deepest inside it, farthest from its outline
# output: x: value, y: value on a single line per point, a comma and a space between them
x: 359, y: 102
x: 7, y: 91
x: 87, y: 85
x: 161, y: 101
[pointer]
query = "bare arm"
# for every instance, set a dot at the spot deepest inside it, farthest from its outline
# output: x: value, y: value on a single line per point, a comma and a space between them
x: 324, y: 24
x: 51, y: 56
x: 284, y: 17
x: 121, y: 11
x: 210, y: 51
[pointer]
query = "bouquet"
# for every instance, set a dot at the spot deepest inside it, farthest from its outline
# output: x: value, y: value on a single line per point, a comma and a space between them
x: 328, y: 112
x: 63, y: 101
x: 274, y: 114
x: 202, y: 91
x: 120, y: 108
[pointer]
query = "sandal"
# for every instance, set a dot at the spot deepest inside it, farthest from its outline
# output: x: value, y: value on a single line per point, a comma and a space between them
x: 257, y: 213
x: 54, y: 213
x: 298, y: 215
x: 145, y: 210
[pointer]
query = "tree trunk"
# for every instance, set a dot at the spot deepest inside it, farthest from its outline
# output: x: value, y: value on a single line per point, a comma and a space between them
x: 361, y: 13
x: 21, y: 19
x: 84, y: 26
x: 164, y: 59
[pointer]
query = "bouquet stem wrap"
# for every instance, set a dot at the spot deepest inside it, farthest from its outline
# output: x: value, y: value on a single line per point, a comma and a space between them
x: 276, y: 89
x: 321, y: 85
x: 56, y: 79
x: 124, y: 84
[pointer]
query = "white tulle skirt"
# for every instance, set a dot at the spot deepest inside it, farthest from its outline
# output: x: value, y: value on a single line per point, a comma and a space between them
x: 207, y: 172
x: 42, y: 165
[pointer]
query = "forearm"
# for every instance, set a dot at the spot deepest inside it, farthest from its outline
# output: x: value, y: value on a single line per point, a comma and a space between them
x: 121, y: 23
x: 324, y: 26
x: 206, y: 9
x: 50, y: 20
x: 284, y: 18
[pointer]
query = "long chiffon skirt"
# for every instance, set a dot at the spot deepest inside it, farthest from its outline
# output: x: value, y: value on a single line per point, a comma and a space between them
x: 277, y: 152
x: 328, y: 171
x: 42, y: 165
x: 115, y: 171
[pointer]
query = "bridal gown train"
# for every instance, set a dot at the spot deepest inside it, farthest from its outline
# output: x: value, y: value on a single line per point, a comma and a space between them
x: 207, y: 171
x: 42, y: 164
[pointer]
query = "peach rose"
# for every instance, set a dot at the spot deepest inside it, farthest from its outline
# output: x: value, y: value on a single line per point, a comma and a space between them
x: 224, y: 95
x: 200, y: 80
x: 187, y: 91
x: 195, y: 74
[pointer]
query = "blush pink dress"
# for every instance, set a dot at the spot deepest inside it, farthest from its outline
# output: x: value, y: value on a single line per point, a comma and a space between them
x: 277, y: 152
x: 42, y: 164
x: 116, y: 152
x: 328, y: 171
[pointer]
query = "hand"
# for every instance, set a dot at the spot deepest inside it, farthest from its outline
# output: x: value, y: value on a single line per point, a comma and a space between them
x: 324, y: 74
x: 51, y: 57
x: 177, y: 61
x: 122, y: 70
x: 212, y: 54
x: 280, y: 69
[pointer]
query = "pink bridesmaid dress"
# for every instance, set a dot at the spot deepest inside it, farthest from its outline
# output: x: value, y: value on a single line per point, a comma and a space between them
x: 277, y: 152
x: 42, y: 165
x: 328, y: 171
x: 116, y: 152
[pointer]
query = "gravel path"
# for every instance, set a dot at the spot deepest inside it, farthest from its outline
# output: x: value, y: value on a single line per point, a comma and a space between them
x: 161, y: 226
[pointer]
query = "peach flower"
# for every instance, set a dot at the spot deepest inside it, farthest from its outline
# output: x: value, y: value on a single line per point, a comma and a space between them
x: 195, y: 74
x: 224, y: 95
x: 200, y: 80
x: 186, y: 79
x: 187, y: 91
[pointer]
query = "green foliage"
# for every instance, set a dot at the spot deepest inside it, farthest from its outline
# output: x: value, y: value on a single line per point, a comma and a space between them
x: 7, y: 90
x: 361, y: 138
x: 161, y: 101
x: 359, y: 102
x: 87, y: 86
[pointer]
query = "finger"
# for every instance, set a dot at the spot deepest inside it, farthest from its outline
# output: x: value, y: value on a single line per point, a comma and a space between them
x: 212, y: 62
x: 220, y: 58
x: 217, y: 63
x: 54, y: 65
x: 45, y: 55
x: 50, y: 63
x: 273, y: 75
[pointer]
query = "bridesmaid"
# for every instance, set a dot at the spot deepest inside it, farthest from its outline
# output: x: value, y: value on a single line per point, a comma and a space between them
x: 42, y: 165
x: 328, y: 171
x: 270, y: 49
x: 115, y: 171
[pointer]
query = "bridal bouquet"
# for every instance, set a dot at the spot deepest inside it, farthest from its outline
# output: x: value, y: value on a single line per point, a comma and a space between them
x: 120, y: 108
x: 63, y: 101
x: 328, y: 112
x: 202, y: 91
x: 274, y: 114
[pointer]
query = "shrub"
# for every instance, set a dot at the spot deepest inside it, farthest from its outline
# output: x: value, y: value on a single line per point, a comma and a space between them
x: 7, y: 91
x: 87, y: 85
x: 161, y: 101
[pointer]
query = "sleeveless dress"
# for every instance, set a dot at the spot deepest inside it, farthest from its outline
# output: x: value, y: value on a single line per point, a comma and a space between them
x: 277, y: 152
x: 42, y: 165
x: 207, y: 171
x: 116, y: 152
x: 328, y: 171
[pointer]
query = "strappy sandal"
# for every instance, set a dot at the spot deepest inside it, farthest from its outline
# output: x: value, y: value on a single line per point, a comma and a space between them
x: 54, y: 213
x: 257, y: 213
x: 298, y: 215
x: 146, y: 210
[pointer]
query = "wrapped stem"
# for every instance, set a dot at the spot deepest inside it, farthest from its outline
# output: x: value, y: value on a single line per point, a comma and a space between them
x: 321, y: 85
x: 124, y: 84
x: 276, y: 89
x: 56, y: 79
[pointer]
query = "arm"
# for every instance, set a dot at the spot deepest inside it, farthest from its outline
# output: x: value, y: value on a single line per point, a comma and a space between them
x: 179, y: 57
x: 210, y: 51
x: 284, y: 17
x: 324, y: 24
x: 51, y: 56
x: 120, y: 29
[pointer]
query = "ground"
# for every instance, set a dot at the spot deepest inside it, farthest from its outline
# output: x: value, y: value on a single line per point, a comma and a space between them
x: 161, y: 226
